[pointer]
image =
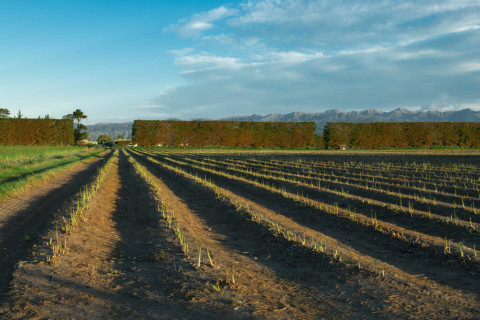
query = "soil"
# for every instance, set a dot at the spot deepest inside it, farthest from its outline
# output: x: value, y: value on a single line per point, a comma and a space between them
x: 363, y: 201
x: 26, y: 214
x: 359, y: 239
x: 123, y: 261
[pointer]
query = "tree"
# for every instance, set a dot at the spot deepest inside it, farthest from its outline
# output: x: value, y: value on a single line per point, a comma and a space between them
x: 19, y: 114
x: 78, y: 116
x: 120, y: 136
x: 4, y: 113
x: 104, y: 138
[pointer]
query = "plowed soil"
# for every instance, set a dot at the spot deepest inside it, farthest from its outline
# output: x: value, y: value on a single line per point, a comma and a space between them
x: 25, y: 215
x: 125, y: 263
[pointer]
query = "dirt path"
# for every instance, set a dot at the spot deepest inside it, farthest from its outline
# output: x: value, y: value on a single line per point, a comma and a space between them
x: 122, y: 264
x: 28, y: 213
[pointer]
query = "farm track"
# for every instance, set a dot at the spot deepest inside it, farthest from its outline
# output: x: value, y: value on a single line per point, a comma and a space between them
x: 400, y: 254
x: 122, y: 264
x: 23, y: 217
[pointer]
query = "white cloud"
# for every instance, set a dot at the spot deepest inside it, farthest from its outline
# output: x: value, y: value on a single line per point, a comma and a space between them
x: 415, y: 54
x: 356, y: 24
x: 293, y: 56
x: 471, y: 66
x: 200, y: 22
x: 207, y: 61
x: 288, y: 55
x: 443, y: 102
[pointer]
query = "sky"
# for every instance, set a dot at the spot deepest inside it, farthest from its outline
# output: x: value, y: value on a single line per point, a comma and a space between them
x: 149, y: 59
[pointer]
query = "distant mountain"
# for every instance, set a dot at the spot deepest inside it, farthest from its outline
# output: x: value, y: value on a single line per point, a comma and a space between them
x: 370, y: 115
x: 320, y: 118
x: 111, y: 129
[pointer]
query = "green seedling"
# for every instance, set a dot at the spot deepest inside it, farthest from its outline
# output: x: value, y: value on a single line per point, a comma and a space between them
x: 199, y: 257
x: 210, y: 259
x: 216, y: 287
x: 460, y: 246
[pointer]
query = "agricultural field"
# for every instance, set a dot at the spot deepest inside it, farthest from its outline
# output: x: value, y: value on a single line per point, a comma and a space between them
x: 158, y: 233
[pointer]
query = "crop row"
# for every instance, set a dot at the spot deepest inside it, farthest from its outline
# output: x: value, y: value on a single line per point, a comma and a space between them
x: 461, y: 185
x: 437, y: 244
x: 380, y: 175
x: 353, y: 185
x: 65, y: 222
x: 167, y: 213
x: 405, y: 215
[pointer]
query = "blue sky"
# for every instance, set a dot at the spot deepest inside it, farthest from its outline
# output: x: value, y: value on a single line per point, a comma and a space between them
x: 125, y: 60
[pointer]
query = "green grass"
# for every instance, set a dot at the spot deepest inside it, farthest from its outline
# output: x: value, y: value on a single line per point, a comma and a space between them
x: 13, y: 154
x: 16, y: 177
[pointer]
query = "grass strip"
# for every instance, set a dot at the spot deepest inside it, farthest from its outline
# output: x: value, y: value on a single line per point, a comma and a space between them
x: 31, y: 175
x: 14, y: 154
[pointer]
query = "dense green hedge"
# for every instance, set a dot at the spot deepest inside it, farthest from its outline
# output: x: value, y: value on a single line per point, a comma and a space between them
x: 402, y: 134
x: 36, y: 132
x: 224, y: 134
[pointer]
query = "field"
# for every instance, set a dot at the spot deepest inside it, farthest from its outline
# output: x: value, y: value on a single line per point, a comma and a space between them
x: 158, y: 233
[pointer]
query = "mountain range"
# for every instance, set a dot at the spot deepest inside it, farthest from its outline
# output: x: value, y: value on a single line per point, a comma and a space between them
x: 320, y: 118
x: 370, y: 115
x: 110, y: 129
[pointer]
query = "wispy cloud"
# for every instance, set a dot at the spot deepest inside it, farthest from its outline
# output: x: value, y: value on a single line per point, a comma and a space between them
x: 207, y: 61
x: 266, y: 56
x: 200, y: 22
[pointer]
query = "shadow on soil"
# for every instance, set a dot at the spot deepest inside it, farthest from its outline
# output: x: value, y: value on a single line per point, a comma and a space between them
x: 149, y: 305
x: 359, y: 237
x: 20, y: 232
x: 287, y: 261
x: 150, y: 264
x: 432, y: 227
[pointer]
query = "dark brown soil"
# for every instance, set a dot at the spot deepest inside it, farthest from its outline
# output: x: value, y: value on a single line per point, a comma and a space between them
x: 122, y: 264
x: 27, y: 214
x: 411, y: 290
x: 357, y: 201
x: 125, y: 263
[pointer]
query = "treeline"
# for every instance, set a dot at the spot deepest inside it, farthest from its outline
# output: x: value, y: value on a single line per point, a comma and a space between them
x: 379, y: 135
x: 224, y: 134
x: 36, y: 131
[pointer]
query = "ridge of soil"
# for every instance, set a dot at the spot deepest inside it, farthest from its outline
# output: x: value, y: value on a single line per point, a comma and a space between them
x: 361, y: 204
x: 362, y: 238
x: 235, y: 246
x: 23, y: 217
x: 122, y: 264
x: 380, y: 297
